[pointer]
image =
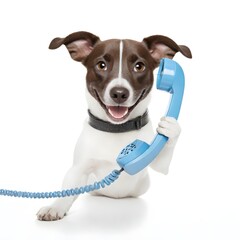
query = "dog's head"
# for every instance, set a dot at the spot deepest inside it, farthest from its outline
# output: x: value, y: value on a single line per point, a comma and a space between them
x: 119, y: 72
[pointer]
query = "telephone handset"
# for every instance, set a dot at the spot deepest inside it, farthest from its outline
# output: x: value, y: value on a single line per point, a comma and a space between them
x: 139, y: 154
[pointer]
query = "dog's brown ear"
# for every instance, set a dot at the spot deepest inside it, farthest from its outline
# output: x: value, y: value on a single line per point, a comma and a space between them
x: 79, y: 44
x: 163, y: 47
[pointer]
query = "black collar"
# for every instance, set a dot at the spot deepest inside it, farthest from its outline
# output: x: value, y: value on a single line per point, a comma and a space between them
x: 133, y: 124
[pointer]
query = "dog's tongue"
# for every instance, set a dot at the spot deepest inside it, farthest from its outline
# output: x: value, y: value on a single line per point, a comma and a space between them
x: 117, y: 112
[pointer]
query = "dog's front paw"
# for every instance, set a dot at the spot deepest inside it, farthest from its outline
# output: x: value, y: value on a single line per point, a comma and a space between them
x: 50, y: 214
x: 169, y: 127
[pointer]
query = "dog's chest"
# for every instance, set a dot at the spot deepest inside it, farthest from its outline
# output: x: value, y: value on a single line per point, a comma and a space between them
x: 102, y: 146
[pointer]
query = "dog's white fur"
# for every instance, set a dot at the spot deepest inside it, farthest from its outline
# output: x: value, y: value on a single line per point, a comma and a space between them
x: 95, y: 157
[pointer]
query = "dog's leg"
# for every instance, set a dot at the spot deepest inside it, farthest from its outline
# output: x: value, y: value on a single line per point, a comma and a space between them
x: 170, y: 128
x: 58, y: 209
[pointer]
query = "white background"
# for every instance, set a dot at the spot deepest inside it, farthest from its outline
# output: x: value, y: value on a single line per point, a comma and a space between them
x: 42, y: 107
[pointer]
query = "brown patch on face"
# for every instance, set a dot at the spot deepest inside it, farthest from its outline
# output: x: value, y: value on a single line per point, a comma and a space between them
x: 106, y: 54
x: 138, y: 66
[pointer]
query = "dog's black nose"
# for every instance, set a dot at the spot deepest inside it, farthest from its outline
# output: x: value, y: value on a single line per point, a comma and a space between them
x: 119, y: 94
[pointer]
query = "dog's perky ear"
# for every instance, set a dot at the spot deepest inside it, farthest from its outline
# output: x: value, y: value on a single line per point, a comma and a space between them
x: 79, y: 44
x: 163, y: 47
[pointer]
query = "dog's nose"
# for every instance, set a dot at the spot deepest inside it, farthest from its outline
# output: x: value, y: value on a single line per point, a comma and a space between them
x: 119, y: 94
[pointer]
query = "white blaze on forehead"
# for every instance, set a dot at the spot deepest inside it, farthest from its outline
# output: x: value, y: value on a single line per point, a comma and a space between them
x: 120, y: 59
x: 119, y: 82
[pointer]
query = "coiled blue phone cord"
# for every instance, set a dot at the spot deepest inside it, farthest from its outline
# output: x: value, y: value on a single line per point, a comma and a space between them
x: 112, y: 177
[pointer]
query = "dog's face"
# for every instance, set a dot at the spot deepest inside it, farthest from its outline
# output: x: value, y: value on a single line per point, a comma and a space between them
x: 119, y: 72
x: 119, y: 77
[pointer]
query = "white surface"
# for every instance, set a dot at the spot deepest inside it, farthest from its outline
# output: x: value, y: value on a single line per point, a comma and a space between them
x: 42, y: 107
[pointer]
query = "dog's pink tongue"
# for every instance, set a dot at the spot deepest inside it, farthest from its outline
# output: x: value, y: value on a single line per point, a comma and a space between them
x: 117, y: 112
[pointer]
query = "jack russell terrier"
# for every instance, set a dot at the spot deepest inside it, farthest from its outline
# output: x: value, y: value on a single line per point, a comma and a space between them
x: 119, y: 81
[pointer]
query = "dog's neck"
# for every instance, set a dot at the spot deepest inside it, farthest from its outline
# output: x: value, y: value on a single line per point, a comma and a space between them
x: 105, y: 126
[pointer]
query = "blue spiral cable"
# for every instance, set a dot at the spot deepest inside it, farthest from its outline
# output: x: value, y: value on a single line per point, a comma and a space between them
x: 112, y: 177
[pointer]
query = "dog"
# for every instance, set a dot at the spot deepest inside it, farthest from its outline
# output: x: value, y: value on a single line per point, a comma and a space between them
x: 119, y: 80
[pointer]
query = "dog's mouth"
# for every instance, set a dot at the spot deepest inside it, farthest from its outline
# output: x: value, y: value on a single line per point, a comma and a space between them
x: 118, y: 113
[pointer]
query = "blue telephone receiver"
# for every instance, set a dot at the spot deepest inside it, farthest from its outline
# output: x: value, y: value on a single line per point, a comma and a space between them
x: 138, y: 154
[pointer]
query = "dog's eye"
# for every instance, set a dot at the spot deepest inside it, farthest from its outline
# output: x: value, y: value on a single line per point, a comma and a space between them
x: 139, y: 67
x: 101, y: 66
